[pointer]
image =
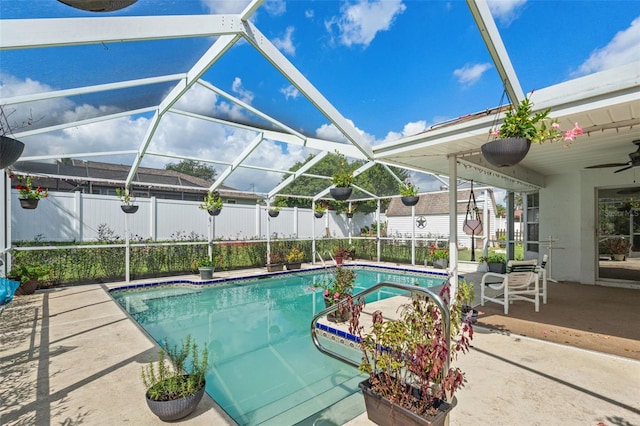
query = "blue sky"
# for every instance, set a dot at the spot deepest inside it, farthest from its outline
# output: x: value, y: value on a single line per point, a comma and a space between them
x: 392, y: 67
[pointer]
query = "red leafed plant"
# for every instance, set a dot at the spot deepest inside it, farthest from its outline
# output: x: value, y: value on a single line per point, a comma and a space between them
x: 406, y: 358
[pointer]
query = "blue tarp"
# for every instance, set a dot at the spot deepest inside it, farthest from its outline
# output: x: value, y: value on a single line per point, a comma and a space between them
x: 7, y: 289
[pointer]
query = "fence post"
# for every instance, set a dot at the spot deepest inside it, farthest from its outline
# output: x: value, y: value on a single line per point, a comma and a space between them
x: 153, y: 218
x: 79, y: 209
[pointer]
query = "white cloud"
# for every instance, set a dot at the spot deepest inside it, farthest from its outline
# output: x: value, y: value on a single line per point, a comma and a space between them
x: 470, y: 74
x: 285, y: 43
x: 290, y: 92
x: 242, y: 93
x: 506, y: 11
x: 225, y: 6
x: 330, y: 132
x: 409, y: 129
x: 275, y: 7
x: 623, y: 49
x: 361, y: 21
x: 309, y: 13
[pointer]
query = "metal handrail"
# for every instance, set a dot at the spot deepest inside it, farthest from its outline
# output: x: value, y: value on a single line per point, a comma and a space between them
x: 320, y: 257
x: 446, y: 318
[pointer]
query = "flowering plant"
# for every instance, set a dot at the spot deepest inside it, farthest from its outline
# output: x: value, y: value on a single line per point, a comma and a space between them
x: 205, y: 262
x: 438, y: 253
x: 407, y: 189
x: 338, y: 286
x: 521, y: 122
x: 295, y: 255
x: 212, y: 201
x: 617, y: 245
x: 28, y: 192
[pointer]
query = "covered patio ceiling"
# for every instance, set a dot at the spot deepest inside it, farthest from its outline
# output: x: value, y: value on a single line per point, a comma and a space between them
x: 605, y: 104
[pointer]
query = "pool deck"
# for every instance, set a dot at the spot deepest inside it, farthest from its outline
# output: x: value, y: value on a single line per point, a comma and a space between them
x: 72, y: 355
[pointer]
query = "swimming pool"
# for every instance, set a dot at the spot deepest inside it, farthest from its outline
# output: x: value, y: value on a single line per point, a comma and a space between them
x: 265, y: 368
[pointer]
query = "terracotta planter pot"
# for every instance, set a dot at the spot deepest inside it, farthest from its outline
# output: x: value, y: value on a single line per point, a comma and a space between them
x: 129, y: 208
x: 27, y: 287
x: 341, y: 193
x: 384, y: 413
x: 411, y: 200
x: 505, y: 152
x: 29, y: 203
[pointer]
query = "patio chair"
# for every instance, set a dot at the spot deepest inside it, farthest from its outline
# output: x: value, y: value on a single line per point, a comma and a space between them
x: 542, y: 273
x: 521, y: 282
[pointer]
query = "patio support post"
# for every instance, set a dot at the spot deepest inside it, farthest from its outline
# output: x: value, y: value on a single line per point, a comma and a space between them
x: 485, y: 224
x: 378, y: 229
x: 510, y: 233
x: 212, y: 231
x: 413, y: 235
x: 5, y: 222
x: 127, y: 248
x: 268, y: 234
x: 453, y: 223
x: 313, y: 233
x: 349, y: 222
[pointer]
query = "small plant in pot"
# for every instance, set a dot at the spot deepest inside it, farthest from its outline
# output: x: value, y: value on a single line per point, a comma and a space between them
x: 407, y: 360
x: 127, y: 199
x: 336, y: 288
x: 617, y: 247
x: 319, y: 210
x: 408, y: 193
x: 342, y: 179
x: 207, y: 266
x: 172, y: 392
x: 29, y: 195
x: 295, y: 258
x: 30, y: 276
x: 212, y: 203
x: 496, y: 262
x: 522, y: 127
x: 275, y: 261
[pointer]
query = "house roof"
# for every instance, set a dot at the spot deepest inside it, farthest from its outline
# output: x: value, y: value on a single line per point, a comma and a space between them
x: 436, y: 203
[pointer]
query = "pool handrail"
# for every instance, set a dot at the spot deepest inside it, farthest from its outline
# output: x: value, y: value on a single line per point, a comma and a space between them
x: 446, y: 317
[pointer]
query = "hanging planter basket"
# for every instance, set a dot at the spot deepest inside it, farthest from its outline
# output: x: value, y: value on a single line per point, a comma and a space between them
x: 29, y: 203
x: 318, y: 215
x: 10, y: 150
x: 98, y: 5
x: 472, y: 227
x: 214, y: 212
x: 410, y: 200
x: 129, y: 208
x: 341, y: 193
x: 506, y: 152
x: 273, y: 213
x: 349, y: 215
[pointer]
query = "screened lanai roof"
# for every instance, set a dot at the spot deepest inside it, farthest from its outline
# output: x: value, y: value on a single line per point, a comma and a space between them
x: 256, y: 87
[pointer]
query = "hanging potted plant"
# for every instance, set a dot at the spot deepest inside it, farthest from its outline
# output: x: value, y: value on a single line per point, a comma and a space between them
x: 10, y: 148
x: 172, y: 392
x: 337, y: 287
x: 212, y: 203
x: 406, y: 360
x: 274, y: 209
x: 342, y: 180
x: 409, y: 193
x: 127, y: 199
x: 522, y: 127
x: 350, y: 210
x: 319, y: 210
x: 295, y: 258
x: 28, y: 195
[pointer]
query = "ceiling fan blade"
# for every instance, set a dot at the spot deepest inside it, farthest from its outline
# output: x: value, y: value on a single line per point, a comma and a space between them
x: 599, y: 166
x: 623, y: 169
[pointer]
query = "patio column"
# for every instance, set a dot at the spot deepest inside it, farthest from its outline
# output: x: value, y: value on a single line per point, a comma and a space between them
x: 413, y: 235
x: 379, y: 225
x: 453, y: 223
x: 5, y: 223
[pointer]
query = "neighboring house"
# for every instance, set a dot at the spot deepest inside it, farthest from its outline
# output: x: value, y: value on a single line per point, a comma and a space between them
x: 92, y: 177
x: 432, y: 216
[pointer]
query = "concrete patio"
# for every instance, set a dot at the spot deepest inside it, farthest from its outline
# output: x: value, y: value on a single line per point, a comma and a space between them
x: 72, y: 356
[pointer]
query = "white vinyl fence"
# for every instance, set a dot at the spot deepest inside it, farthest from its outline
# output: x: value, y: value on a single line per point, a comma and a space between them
x: 77, y: 217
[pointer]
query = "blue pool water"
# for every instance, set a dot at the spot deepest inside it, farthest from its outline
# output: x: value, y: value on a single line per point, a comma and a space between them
x: 265, y: 368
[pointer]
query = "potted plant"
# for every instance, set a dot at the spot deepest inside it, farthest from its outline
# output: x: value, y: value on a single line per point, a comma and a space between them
x: 319, y: 210
x: 172, y: 392
x: 275, y: 262
x: 127, y: 199
x: 10, y: 148
x: 520, y: 128
x: 409, y: 193
x: 207, y: 266
x: 342, y: 180
x: 339, y: 253
x: 405, y: 359
x: 294, y: 258
x: 274, y: 209
x: 28, y: 194
x: 212, y: 203
x: 496, y: 262
x: 337, y: 287
x: 29, y: 277
x: 617, y: 247
x: 350, y: 210
x: 439, y: 256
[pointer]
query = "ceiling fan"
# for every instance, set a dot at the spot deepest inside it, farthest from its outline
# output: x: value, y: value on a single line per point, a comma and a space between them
x: 634, y: 160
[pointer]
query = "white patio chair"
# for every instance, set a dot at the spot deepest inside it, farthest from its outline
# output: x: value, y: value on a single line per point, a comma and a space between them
x: 542, y: 273
x: 521, y: 282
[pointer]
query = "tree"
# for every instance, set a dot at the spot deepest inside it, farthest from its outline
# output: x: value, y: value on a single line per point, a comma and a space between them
x: 194, y: 168
x: 375, y: 180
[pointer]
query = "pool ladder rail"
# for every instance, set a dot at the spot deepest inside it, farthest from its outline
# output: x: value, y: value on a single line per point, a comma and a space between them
x: 412, y: 289
x: 324, y: 264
